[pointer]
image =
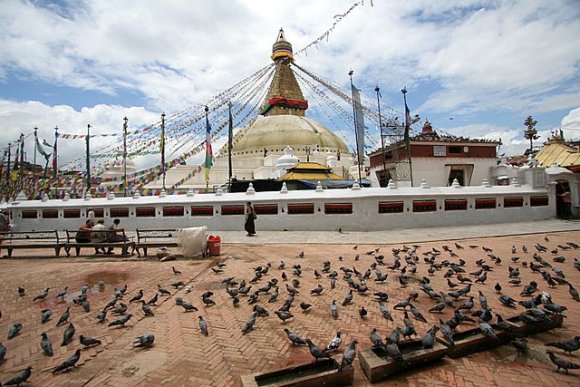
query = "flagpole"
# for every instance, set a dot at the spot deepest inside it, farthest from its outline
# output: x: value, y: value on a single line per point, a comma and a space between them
x: 162, y: 147
x: 35, y: 142
x: 350, y: 73
x: 206, y: 150
x: 88, y: 158
x: 378, y: 90
x: 230, y: 139
x: 55, y: 161
x: 125, y: 156
x: 21, y: 172
x: 407, y: 134
x: 8, y: 169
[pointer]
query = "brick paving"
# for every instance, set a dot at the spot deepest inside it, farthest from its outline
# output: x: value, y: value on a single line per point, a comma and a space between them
x: 183, y: 356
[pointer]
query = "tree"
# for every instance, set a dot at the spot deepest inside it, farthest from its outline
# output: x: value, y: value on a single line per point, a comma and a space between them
x: 531, y: 133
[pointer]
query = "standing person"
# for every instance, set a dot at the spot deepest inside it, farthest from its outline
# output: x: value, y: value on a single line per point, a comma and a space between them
x: 250, y: 225
x: 567, y: 203
x: 91, y: 215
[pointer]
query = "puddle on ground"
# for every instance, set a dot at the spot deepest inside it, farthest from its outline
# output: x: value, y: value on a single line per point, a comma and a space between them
x: 110, y: 278
x: 508, y: 354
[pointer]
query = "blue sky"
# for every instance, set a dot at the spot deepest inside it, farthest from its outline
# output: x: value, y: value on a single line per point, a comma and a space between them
x: 473, y: 68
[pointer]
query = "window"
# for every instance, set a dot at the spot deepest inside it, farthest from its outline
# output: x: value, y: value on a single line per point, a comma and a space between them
x: 481, y: 204
x: 72, y: 213
x: 119, y: 212
x: 535, y: 201
x: 338, y: 208
x: 510, y: 202
x: 201, y: 210
x: 455, y: 204
x: 99, y: 212
x: 233, y: 210
x: 142, y: 212
x: 390, y: 207
x: 455, y: 149
x: 439, y: 150
x: 29, y: 214
x: 424, y: 205
x: 49, y: 214
x: 301, y: 208
x: 266, y: 209
x: 173, y: 211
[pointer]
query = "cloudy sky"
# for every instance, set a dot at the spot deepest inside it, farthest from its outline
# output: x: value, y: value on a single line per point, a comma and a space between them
x: 473, y: 68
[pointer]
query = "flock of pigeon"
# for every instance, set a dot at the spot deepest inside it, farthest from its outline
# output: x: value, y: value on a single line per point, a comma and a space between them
x: 404, y: 265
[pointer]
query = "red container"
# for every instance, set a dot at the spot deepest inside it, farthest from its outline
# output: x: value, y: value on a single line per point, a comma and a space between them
x: 214, y: 244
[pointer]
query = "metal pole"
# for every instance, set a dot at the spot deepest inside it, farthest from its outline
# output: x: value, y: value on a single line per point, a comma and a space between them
x: 377, y: 89
x: 55, y: 162
x: 88, y: 157
x: 350, y: 73
x: 8, y: 166
x: 206, y: 145
x: 125, y: 156
x: 408, y: 129
x: 34, y: 160
x: 230, y: 140
x: 21, y: 171
x: 163, y: 147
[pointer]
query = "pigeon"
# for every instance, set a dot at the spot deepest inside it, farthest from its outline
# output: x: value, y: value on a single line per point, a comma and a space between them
x: 14, y: 330
x: 121, y: 322
x: 561, y: 363
x: 438, y: 308
x: 521, y: 344
x: 188, y: 307
x: 260, y: 311
x: 42, y: 295
x: 45, y: 315
x: 417, y: 314
x: 335, y: 342
x: 249, y: 324
x: 144, y: 341
x: 88, y: 341
x: 334, y: 310
x: 284, y: 315
x: 573, y: 292
x: 86, y: 306
x: 203, y: 326
x: 305, y: 306
x: 487, y: 330
x: 46, y: 345
x: 317, y: 290
x: 294, y: 338
x: 568, y: 346
x: 384, y: 311
x: 316, y: 351
x: 348, y: 356
x: 376, y: 339
x: 137, y: 297
x: 348, y: 298
x: 68, y: 363
x: 2, y: 352
x: 163, y: 291
x: 21, y: 291
x: 147, y: 311
x: 62, y: 293
x: 507, y: 301
x: 111, y: 304
x: 68, y: 335
x: 64, y: 318
x: 393, y: 350
x: 274, y: 296
x: 428, y: 341
x: 101, y: 316
x: 363, y: 312
x: 153, y: 300
x: 447, y: 333
x: 175, y: 271
x: 20, y: 378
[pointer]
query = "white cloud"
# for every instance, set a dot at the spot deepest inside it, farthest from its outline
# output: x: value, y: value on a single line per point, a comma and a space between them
x: 571, y: 124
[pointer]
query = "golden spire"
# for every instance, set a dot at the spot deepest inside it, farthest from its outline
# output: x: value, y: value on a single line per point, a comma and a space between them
x: 285, y: 95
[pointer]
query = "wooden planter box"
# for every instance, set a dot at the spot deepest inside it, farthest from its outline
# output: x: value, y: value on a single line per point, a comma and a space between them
x: 323, y: 373
x: 472, y: 340
x: 524, y: 329
x: 377, y: 366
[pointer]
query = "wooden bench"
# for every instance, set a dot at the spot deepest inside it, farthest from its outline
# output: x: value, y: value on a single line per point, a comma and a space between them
x: 11, y: 240
x: 71, y: 242
x: 155, y: 238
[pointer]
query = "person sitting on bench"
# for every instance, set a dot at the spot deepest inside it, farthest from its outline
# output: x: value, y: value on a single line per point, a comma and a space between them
x: 84, y: 232
x: 99, y: 235
x: 114, y: 236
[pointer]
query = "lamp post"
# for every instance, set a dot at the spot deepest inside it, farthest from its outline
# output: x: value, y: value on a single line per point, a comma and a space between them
x: 384, y: 174
x: 531, y: 133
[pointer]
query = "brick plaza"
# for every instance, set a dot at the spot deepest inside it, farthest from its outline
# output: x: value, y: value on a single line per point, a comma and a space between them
x: 183, y: 356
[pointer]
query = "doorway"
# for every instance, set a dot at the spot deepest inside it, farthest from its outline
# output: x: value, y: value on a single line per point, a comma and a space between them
x: 563, y: 200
